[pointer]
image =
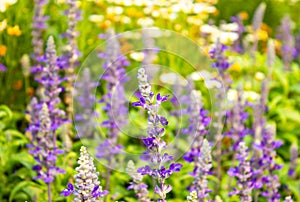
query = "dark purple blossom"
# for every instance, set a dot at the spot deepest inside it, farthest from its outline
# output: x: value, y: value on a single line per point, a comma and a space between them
x: 220, y: 61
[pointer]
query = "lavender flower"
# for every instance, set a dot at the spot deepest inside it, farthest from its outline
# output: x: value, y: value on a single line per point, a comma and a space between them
x: 43, y: 124
x: 86, y: 101
x: 243, y: 174
x: 220, y: 61
x: 70, y: 60
x: 256, y: 24
x: 150, y: 51
x: 38, y: 28
x: 287, y: 39
x: 258, y: 16
x: 87, y: 186
x: 238, y: 44
x: 293, y: 160
x: 202, y: 160
x: 154, y: 143
x: 236, y: 118
x: 43, y: 147
x: 114, y: 99
x: 137, y: 185
x: 51, y: 82
x: 264, y: 160
x: 271, y: 53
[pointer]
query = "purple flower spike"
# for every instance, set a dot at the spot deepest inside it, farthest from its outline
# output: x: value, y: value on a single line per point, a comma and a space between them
x: 155, y: 145
x: 243, y: 173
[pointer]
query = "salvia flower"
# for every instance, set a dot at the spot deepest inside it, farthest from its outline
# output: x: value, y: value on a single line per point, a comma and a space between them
x: 293, y: 160
x: 287, y: 39
x: 264, y: 160
x: 51, y: 81
x: 203, y: 164
x: 86, y: 101
x: 137, y: 185
x: 87, y: 185
x: 243, y: 174
x: 114, y: 99
x: 220, y: 61
x: 236, y: 118
x: 154, y: 143
x: 43, y: 147
x: 70, y: 59
x: 38, y: 28
x: 150, y: 51
x: 238, y: 44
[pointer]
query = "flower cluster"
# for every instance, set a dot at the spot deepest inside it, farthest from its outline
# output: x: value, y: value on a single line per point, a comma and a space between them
x: 154, y: 143
x: 87, y: 186
x: 243, y: 173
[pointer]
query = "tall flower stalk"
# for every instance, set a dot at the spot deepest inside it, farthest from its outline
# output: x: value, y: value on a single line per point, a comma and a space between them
x: 87, y: 186
x: 288, y: 42
x: 72, y: 54
x: 243, y: 173
x: 86, y: 99
x: 137, y: 185
x: 38, y: 28
x: 44, y: 148
x: 44, y: 123
x: 155, y: 154
x: 221, y: 63
x: 114, y: 100
x: 264, y: 160
x: 200, y: 152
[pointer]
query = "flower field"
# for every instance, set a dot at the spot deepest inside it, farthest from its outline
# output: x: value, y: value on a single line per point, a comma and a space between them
x: 149, y: 100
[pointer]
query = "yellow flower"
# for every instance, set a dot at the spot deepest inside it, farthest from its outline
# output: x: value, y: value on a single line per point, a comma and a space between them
x: 262, y: 35
x: 2, y: 50
x: 14, y: 31
x: 235, y: 67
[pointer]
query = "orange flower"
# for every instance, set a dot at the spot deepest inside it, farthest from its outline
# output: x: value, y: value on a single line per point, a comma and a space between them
x: 14, y: 31
x: 2, y: 50
x: 17, y: 85
x: 244, y: 15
